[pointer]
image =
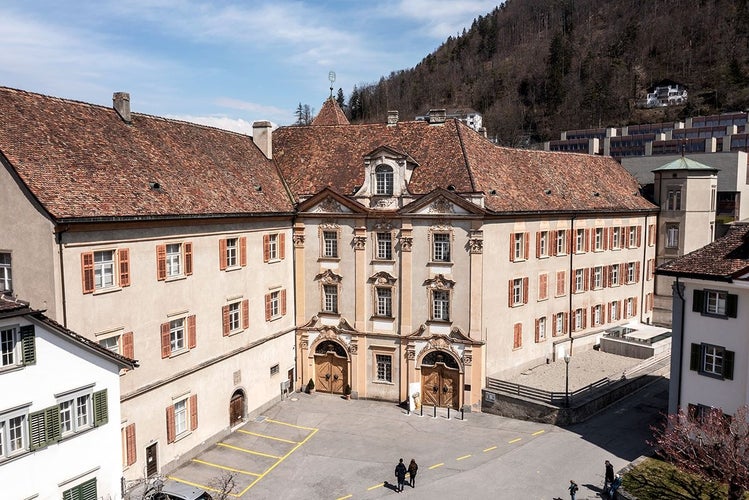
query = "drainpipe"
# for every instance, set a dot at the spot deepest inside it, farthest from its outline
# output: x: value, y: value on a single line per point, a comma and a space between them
x: 644, y: 270
x: 58, y: 240
x: 674, y: 400
x: 570, y: 240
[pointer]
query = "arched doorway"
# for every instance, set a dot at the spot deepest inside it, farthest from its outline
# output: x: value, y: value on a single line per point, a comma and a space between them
x: 236, y: 408
x: 331, y: 367
x: 440, y: 380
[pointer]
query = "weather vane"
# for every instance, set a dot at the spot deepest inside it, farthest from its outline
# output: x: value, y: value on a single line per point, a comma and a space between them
x: 331, y: 77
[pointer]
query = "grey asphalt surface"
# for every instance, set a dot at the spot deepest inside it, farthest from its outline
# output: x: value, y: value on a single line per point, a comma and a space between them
x: 323, y: 447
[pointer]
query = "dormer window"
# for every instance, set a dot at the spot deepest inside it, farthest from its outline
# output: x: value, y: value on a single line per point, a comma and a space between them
x: 384, y: 180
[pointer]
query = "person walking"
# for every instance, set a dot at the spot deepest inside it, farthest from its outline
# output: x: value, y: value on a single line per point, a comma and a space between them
x: 608, y: 477
x: 400, y: 475
x: 573, y: 489
x: 412, y: 470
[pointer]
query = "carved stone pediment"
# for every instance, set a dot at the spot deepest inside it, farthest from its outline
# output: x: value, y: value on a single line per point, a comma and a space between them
x: 328, y: 277
x: 329, y: 205
x: 382, y: 278
x: 383, y: 225
x: 441, y: 206
x: 439, y: 282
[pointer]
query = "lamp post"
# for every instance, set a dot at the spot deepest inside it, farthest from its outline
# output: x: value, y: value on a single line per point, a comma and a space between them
x: 567, y: 380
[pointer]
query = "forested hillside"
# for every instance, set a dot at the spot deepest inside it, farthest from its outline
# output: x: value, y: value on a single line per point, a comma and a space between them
x: 536, y: 67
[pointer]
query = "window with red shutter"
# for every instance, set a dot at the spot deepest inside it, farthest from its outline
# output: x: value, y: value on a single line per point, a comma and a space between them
x: 225, y: 320
x: 266, y: 247
x: 191, y: 334
x: 283, y: 302
x: 268, y: 310
x: 188, y: 258
x: 193, y: 412
x: 87, y: 271
x: 127, y: 345
x: 525, y: 290
x: 130, y: 445
x: 282, y: 246
x: 166, y: 345
x: 245, y: 314
x: 161, y: 262
x: 124, y: 258
x: 518, y: 336
x: 222, y: 256
x: 243, y: 251
x: 170, y: 431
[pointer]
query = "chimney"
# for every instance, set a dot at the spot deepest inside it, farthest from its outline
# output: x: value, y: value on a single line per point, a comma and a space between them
x: 262, y: 137
x: 436, y: 116
x: 392, y: 117
x: 121, y: 104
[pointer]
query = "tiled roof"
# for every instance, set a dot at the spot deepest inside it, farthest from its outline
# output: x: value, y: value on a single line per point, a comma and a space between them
x: 83, y: 161
x: 330, y: 114
x: 10, y: 306
x: 720, y: 260
x: 452, y: 154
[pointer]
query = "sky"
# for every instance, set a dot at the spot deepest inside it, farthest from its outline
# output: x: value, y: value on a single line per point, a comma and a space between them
x: 222, y: 63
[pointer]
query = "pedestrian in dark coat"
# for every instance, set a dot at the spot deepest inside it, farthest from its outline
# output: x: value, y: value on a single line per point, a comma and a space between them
x: 573, y: 489
x: 608, y: 478
x: 412, y: 470
x: 400, y: 474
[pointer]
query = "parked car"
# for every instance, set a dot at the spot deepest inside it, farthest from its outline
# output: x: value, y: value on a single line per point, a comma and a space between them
x: 173, y: 490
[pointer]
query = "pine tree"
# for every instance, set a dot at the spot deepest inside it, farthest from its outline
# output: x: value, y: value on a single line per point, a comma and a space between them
x: 340, y: 99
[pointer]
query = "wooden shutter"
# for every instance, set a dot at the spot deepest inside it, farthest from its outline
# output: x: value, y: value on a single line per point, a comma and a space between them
x: 566, y: 323
x: 52, y: 424
x: 193, y: 412
x: 538, y: 244
x: 569, y: 241
x: 101, y: 413
x: 268, y: 311
x: 605, y: 238
x: 245, y: 314
x: 698, y: 301
x: 131, y: 450
x: 222, y: 257
x: 586, y: 278
x: 695, y: 357
x: 188, y: 258
x: 552, y: 243
x: 124, y: 258
x: 266, y: 247
x: 170, y: 431
x: 634, y: 306
x: 282, y: 246
x: 543, y: 286
x: 283, y: 302
x: 537, y: 332
x: 161, y: 262
x: 37, y: 430
x: 87, y: 271
x: 191, y: 334
x: 166, y: 345
x: 638, y: 238
x: 243, y: 251
x: 128, y: 349
x: 560, y: 283
x: 637, y: 271
x: 732, y: 305
x: 28, y: 344
x: 512, y: 247
x: 586, y: 237
x: 623, y: 273
x: 525, y: 290
x: 527, y: 241
x: 517, y: 336
x: 728, y: 357
x: 225, y: 320
x: 510, y: 294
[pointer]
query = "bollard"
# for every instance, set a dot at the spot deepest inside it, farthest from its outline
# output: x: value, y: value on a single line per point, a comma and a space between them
x: 421, y: 410
x: 448, y: 413
x: 435, y: 411
x: 462, y: 414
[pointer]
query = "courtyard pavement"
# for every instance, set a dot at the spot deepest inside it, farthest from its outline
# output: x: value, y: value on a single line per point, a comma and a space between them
x: 324, y: 447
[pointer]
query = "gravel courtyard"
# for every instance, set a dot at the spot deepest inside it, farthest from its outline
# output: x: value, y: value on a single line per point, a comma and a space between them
x: 586, y: 367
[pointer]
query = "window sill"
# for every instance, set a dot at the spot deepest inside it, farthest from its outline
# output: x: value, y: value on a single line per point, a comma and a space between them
x: 329, y: 314
x: 542, y: 257
x: 182, y: 351
x: 11, y: 368
x: 714, y: 315
x: 273, y: 261
x: 542, y: 299
x: 180, y: 277
x: 440, y: 263
x: 109, y: 289
x: 518, y: 259
x: 383, y: 382
x: 232, y: 268
x: 328, y: 259
x: 439, y: 322
x: 381, y: 318
x: 383, y: 261
x: 181, y: 436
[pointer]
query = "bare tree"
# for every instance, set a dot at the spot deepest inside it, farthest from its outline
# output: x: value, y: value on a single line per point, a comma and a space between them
x: 224, y: 486
x: 709, y: 444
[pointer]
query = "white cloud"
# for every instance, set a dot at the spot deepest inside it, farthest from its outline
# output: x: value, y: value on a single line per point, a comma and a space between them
x: 222, y: 122
x: 442, y: 18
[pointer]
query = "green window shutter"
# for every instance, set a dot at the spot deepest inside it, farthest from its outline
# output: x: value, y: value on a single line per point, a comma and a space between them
x: 698, y: 300
x: 728, y: 365
x: 84, y: 491
x: 101, y: 415
x: 732, y: 305
x: 29, y: 344
x: 52, y: 423
x: 37, y: 430
x: 694, y: 359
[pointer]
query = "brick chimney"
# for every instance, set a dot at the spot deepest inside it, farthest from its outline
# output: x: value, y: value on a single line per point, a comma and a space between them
x: 121, y: 104
x: 436, y: 116
x: 262, y: 136
x: 392, y: 117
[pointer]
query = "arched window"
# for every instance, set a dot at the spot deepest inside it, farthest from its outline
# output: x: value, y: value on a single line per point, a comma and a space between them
x: 442, y: 357
x: 383, y: 180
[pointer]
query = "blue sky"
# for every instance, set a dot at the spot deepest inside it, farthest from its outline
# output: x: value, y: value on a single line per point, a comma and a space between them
x: 223, y: 63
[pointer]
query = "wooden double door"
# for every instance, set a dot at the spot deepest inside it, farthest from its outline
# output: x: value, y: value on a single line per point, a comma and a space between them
x: 440, y: 386
x: 330, y: 371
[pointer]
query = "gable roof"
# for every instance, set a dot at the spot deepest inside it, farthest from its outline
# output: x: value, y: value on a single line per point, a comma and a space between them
x: 11, y: 307
x: 82, y: 161
x: 722, y: 260
x: 330, y: 114
x: 452, y: 154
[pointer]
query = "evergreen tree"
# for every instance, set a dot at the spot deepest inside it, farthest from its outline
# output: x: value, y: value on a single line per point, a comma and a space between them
x: 340, y: 99
x: 299, y: 113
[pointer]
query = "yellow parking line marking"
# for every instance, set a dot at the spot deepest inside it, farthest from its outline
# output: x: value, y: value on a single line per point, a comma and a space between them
x: 538, y: 432
x: 290, y: 425
x: 463, y: 457
x: 490, y: 449
x: 314, y: 431
x: 515, y: 440
x: 344, y: 498
x: 267, y: 437
x: 436, y: 465
x: 247, y: 451
x: 197, y: 485
x: 375, y: 487
x: 231, y: 469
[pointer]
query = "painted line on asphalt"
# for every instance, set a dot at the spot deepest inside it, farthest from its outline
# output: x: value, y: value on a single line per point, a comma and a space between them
x: 268, y: 437
x: 247, y: 451
x: 375, y: 487
x: 436, y: 465
x: 344, y: 498
x: 197, y: 485
x: 290, y: 425
x: 490, y: 449
x: 515, y: 440
x: 538, y: 432
x: 281, y: 459
x: 463, y: 457
x: 231, y: 469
